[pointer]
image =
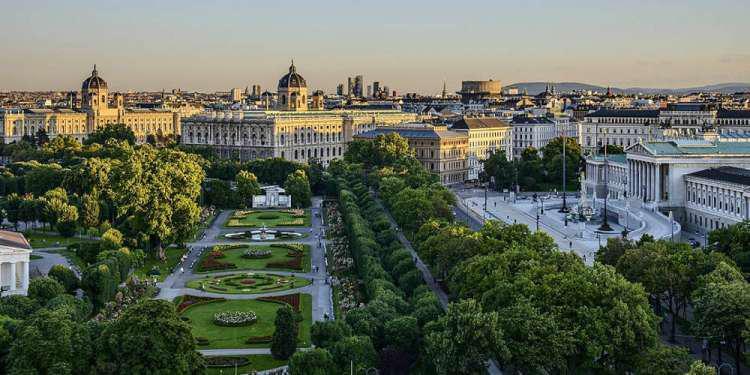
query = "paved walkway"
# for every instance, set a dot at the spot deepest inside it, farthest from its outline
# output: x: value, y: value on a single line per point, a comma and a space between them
x: 174, y: 284
x: 50, y: 258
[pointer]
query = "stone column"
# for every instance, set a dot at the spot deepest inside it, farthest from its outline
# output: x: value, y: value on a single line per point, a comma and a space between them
x: 25, y: 276
x: 12, y: 276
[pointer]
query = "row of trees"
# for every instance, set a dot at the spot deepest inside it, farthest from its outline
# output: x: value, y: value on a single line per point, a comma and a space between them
x: 532, y: 172
x: 386, y: 333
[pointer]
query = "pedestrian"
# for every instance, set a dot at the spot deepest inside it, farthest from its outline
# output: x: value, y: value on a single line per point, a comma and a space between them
x: 571, y: 245
x: 182, y: 269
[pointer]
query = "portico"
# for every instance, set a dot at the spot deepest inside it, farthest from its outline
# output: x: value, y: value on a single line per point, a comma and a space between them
x: 15, y: 254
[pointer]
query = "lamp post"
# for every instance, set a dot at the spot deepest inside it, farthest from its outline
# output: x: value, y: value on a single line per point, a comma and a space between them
x: 605, y: 224
x: 564, y: 208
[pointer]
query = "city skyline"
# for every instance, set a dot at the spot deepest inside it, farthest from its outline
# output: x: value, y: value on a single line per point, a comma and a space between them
x: 413, y: 47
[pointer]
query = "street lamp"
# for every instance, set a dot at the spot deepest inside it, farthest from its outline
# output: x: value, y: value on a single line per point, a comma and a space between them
x: 564, y: 208
x: 605, y: 224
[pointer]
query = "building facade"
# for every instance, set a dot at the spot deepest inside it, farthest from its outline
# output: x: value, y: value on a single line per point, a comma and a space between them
x: 15, y: 253
x: 486, y: 136
x: 716, y: 198
x: 534, y: 132
x: 95, y: 112
x: 292, y: 129
x: 441, y: 151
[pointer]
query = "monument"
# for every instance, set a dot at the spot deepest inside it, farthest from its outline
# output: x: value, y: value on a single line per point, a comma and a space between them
x: 274, y: 197
x: 15, y: 254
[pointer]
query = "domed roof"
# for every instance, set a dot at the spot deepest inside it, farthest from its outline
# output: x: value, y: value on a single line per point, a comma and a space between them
x: 94, y: 82
x: 292, y: 79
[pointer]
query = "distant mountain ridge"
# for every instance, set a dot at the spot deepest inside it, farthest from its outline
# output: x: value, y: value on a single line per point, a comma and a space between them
x: 534, y: 88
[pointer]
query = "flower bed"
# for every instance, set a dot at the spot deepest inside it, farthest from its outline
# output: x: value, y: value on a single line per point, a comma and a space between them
x: 247, y: 281
x: 189, y: 301
x: 235, y: 318
x: 226, y: 361
x: 257, y: 254
x: 296, y: 252
x: 289, y: 299
x: 292, y: 223
x: 294, y: 264
x: 212, y: 263
x: 267, y: 216
x: 259, y: 340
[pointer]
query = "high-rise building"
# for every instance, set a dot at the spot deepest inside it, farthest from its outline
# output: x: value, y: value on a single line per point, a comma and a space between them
x: 376, y: 88
x: 340, y: 89
x: 387, y: 92
x: 350, y: 87
x: 256, y: 91
x: 236, y: 94
x: 369, y: 91
x: 359, y: 86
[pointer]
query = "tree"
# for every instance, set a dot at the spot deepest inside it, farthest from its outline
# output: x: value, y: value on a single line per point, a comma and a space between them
x: 462, y: 341
x: 504, y: 171
x: 611, y: 149
x: 247, y: 186
x: 354, y: 350
x: 89, y: 211
x: 665, y: 360
x: 298, y: 187
x: 111, y: 131
x: 610, y: 253
x: 17, y: 306
x: 149, y: 337
x: 65, y: 276
x: 734, y: 241
x: 530, y: 169
x: 403, y: 334
x: 146, y: 186
x: 311, y: 362
x: 390, y: 148
x: 111, y: 240
x: 284, y: 341
x: 66, y: 221
x: 722, y: 309
x: 43, y: 289
x: 49, y: 342
x: 41, y: 137
x: 700, y: 368
x: 553, y: 161
x: 324, y: 334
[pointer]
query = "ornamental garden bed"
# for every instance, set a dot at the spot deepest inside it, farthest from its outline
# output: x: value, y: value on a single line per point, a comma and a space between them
x: 257, y: 362
x: 269, y: 218
x: 201, y: 320
x: 286, y: 257
x: 247, y: 283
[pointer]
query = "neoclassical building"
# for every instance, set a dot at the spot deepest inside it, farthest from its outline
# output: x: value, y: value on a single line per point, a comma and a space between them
x: 486, y: 136
x: 627, y: 127
x: 95, y: 111
x: 290, y: 128
x: 441, y: 151
x: 15, y: 254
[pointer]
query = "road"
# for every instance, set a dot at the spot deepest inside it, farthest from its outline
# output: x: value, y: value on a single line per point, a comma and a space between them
x: 174, y: 284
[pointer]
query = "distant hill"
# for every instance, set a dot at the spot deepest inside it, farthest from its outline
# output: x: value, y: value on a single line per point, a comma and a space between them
x: 534, y: 88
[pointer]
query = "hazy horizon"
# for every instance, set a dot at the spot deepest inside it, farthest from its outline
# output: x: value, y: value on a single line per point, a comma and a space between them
x: 409, y: 47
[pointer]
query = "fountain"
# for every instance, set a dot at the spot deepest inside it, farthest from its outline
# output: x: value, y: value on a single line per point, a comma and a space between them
x: 262, y: 234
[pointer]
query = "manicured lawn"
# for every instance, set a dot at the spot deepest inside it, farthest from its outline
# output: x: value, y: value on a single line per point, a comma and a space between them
x: 39, y: 239
x: 233, y: 254
x: 165, y: 268
x: 247, y: 283
x: 202, y: 317
x: 269, y: 218
x: 258, y: 362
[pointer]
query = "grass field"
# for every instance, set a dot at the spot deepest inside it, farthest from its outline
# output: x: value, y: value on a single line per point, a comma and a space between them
x: 202, y: 316
x: 278, y: 254
x: 35, y: 257
x: 165, y: 268
x: 258, y: 362
x: 269, y: 218
x: 261, y: 283
x: 39, y: 239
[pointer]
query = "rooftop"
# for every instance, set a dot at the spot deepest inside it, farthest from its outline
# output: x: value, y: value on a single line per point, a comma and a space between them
x: 414, y: 132
x: 630, y: 112
x: 727, y: 174
x: 479, y: 123
x: 696, y: 148
x: 14, y: 239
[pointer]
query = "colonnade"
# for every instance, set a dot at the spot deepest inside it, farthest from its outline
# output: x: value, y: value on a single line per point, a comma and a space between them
x: 645, y: 180
x: 14, y: 277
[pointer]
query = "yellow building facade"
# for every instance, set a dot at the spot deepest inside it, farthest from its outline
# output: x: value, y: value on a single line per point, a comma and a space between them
x: 95, y: 112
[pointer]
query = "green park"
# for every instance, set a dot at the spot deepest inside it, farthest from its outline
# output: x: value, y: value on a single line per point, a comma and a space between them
x: 269, y: 218
x: 247, y: 283
x: 282, y: 257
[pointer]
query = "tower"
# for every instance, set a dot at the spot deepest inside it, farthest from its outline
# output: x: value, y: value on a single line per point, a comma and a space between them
x: 292, y: 91
x: 94, y: 92
x: 318, y: 101
x: 445, y: 91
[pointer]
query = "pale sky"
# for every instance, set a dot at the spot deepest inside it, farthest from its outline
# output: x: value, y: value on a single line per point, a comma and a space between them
x: 408, y: 45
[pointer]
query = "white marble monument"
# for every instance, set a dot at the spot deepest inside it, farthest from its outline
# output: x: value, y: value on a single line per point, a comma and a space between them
x: 15, y: 252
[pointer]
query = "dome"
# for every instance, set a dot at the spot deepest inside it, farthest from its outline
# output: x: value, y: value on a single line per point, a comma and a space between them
x: 94, y: 82
x: 292, y: 79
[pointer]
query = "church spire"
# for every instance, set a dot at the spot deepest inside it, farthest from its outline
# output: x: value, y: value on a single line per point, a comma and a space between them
x: 445, y: 91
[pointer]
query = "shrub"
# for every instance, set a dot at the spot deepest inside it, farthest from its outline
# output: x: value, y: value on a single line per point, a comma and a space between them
x: 43, y: 289
x: 259, y: 340
x: 226, y: 361
x: 202, y: 341
x: 65, y: 276
x: 256, y: 254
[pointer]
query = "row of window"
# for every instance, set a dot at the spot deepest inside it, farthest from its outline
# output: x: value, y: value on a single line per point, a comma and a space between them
x: 717, y: 199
